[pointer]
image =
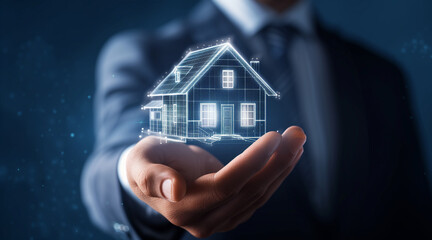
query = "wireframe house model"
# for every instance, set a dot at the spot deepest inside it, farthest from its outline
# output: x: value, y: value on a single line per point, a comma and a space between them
x: 213, y: 94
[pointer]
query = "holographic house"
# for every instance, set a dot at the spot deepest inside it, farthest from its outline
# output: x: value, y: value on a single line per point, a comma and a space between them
x: 213, y: 94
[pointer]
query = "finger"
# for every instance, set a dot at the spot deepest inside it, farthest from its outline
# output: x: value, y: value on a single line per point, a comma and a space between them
x: 237, y: 173
x: 208, y: 163
x: 248, y: 211
x: 260, y: 197
x: 259, y: 202
x: 285, y: 157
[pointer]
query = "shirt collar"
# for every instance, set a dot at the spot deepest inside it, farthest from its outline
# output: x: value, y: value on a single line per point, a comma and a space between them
x: 250, y: 16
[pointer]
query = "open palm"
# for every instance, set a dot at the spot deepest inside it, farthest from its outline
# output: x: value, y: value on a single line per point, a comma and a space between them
x: 195, y: 191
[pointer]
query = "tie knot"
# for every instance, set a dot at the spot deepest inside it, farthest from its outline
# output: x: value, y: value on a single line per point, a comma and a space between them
x: 285, y: 30
x: 279, y: 38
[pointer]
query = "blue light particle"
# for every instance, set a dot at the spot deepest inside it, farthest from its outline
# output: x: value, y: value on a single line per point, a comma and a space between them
x: 72, y: 135
x: 89, y: 96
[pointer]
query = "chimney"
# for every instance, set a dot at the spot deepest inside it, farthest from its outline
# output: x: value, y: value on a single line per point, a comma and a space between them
x: 255, y: 64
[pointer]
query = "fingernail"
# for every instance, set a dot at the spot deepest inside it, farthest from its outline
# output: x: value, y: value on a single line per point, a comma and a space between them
x: 167, y: 189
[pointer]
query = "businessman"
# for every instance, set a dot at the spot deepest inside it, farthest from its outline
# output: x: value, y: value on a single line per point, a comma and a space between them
x: 359, y: 174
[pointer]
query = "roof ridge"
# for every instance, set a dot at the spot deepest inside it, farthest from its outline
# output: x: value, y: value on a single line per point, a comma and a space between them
x: 207, y: 48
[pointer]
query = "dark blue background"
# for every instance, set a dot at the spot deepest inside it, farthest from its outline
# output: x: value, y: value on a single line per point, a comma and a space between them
x: 48, y: 51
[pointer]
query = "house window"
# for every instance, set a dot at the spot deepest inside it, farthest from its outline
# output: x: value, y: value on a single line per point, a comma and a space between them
x: 157, y: 115
x: 175, y: 113
x: 227, y: 78
x: 248, y: 114
x: 208, y: 114
x: 177, y: 76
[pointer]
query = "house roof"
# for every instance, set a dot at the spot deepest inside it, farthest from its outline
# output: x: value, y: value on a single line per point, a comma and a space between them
x: 153, y: 104
x: 195, y: 64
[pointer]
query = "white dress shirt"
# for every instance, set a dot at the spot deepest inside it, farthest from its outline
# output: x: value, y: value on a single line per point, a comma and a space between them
x: 311, y: 72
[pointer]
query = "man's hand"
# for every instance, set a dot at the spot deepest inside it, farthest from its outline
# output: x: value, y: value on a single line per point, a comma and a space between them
x: 193, y: 190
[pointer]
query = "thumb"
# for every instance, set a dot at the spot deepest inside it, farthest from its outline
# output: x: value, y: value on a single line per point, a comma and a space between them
x: 161, y: 181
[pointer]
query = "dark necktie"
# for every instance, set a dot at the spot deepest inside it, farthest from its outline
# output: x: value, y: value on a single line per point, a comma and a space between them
x: 279, y: 41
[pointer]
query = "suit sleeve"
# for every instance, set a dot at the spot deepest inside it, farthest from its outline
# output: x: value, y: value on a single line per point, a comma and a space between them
x: 123, y: 77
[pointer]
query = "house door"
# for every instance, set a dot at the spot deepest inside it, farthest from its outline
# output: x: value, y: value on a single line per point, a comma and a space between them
x: 227, y: 122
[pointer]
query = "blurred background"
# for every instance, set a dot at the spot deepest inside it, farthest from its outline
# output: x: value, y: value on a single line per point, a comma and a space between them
x: 48, y: 51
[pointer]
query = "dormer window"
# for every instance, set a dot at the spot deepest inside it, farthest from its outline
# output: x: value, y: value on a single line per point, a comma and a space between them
x: 228, y: 78
x: 177, y: 76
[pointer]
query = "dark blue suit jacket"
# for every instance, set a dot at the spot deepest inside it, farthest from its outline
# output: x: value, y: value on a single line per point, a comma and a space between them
x: 381, y: 186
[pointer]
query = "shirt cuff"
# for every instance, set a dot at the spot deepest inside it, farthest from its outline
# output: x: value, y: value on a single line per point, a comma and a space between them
x: 122, y: 175
x: 121, y: 171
